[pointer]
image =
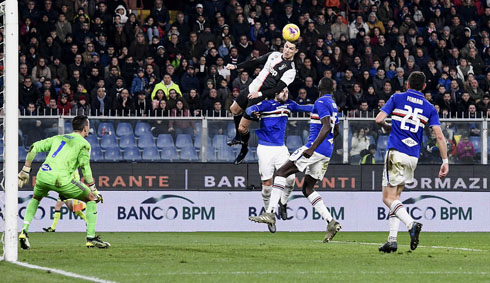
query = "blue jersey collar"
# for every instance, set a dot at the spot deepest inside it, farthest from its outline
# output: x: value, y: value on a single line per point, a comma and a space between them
x: 327, y: 94
x: 415, y: 92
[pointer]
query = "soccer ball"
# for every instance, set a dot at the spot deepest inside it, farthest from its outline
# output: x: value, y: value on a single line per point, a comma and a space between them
x: 290, y: 32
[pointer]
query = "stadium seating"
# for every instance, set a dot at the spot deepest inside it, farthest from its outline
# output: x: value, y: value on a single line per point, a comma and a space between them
x: 113, y: 154
x: 382, y: 142
x: 476, y: 141
x: 169, y: 153
x: 127, y: 141
x: 197, y: 142
x: 108, y: 141
x: 379, y: 156
x: 219, y: 142
x: 105, y: 129
x: 146, y: 141
x: 165, y: 140
x: 211, y: 154
x: 124, y: 129
x: 293, y: 142
x: 188, y: 154
x: 142, y: 128
x: 92, y: 140
x: 68, y: 128
x: 250, y: 157
x: 183, y: 140
x: 132, y: 154
x: 96, y: 154
x: 226, y: 154
x: 151, y: 154
x: 231, y: 131
x: 22, y: 154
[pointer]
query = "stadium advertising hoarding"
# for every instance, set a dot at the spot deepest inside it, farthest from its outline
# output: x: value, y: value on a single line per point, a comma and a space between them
x: 182, y: 211
x: 228, y: 177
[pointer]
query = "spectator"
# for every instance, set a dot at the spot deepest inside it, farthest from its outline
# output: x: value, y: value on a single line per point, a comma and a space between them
x: 370, y: 98
x: 82, y: 107
x: 475, y: 92
x: 28, y: 93
x: 166, y: 85
x: 367, y: 156
x: 302, y: 98
x: 354, y: 98
x: 208, y: 103
x: 466, y: 151
x: 379, y: 80
x: 311, y: 89
x: 484, y: 104
x: 143, y: 104
x: 123, y: 104
x: 373, y: 23
x: 173, y: 98
x: 339, y: 28
x: 359, y: 143
x: 40, y: 72
x: 59, y: 73
x: 101, y: 104
x: 242, y: 81
x: 194, y: 101
x: 140, y: 82
x: 448, y: 104
x: 464, y: 69
x: 231, y: 98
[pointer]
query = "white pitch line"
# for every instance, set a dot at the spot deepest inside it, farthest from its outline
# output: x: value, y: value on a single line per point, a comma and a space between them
x: 432, y: 247
x: 61, y: 272
x: 324, y: 272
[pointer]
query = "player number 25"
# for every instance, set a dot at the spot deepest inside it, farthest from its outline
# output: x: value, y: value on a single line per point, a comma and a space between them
x: 412, y: 114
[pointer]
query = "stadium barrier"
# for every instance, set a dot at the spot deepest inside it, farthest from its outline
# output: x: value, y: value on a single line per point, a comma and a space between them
x: 204, y: 138
x: 187, y: 211
x: 245, y: 177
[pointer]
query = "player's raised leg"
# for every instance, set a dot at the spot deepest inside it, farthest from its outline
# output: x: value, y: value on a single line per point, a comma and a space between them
x: 244, y: 134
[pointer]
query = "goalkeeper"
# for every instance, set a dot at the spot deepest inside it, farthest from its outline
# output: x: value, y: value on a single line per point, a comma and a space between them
x: 72, y: 204
x: 66, y: 154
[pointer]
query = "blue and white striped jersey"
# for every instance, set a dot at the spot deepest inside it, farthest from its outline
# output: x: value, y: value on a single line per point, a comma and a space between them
x: 323, y: 107
x: 274, y: 118
x: 410, y: 113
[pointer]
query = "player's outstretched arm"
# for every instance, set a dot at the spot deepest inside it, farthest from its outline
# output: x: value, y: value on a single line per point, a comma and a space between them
x: 442, y: 145
x: 326, y: 128
x: 381, y: 121
x: 249, y: 63
x: 295, y: 107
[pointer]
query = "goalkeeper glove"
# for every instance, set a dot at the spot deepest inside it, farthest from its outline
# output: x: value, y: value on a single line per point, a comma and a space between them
x: 24, y: 176
x: 94, y: 191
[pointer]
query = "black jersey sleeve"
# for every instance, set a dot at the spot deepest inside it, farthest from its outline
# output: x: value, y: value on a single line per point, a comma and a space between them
x: 270, y: 93
x: 254, y: 63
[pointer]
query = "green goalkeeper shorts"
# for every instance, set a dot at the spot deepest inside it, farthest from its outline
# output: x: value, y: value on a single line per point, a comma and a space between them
x: 74, y: 189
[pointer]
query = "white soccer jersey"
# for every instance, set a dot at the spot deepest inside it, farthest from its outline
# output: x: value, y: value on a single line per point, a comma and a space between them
x: 274, y: 70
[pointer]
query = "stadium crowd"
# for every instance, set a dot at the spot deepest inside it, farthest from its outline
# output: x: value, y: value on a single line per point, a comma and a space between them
x: 98, y: 56
x: 101, y: 57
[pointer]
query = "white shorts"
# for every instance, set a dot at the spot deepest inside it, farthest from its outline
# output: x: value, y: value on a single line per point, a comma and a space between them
x: 316, y: 166
x: 399, y: 168
x: 271, y: 158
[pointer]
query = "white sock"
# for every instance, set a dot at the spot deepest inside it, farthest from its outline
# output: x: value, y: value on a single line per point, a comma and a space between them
x: 289, y: 188
x: 394, y: 224
x: 317, y: 202
x: 398, y: 210
x: 266, y: 195
x: 277, y: 191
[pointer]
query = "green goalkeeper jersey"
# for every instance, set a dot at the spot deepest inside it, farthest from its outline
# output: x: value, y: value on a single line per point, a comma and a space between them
x: 66, y: 154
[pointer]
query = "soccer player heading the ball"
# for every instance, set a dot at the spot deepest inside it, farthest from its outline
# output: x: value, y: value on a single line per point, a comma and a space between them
x: 66, y: 153
x: 278, y: 72
x: 410, y: 113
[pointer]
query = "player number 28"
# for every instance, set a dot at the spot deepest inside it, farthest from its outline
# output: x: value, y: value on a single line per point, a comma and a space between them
x: 412, y: 114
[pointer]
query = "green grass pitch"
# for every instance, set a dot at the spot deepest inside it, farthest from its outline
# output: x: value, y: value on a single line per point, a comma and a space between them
x: 255, y: 257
